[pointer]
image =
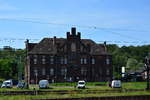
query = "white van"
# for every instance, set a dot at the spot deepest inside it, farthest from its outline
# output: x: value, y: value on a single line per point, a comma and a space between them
x: 43, y: 84
x: 7, y: 84
x: 81, y: 84
x: 116, y: 84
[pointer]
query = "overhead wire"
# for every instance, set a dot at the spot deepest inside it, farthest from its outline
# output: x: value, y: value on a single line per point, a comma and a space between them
x: 82, y: 26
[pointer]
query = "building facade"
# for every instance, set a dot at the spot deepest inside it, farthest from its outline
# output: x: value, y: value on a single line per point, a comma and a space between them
x: 67, y: 59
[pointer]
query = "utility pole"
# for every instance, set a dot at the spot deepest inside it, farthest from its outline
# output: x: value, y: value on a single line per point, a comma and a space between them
x: 147, y: 67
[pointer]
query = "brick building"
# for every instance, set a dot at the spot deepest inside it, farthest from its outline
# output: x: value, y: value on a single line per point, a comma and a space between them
x: 67, y: 59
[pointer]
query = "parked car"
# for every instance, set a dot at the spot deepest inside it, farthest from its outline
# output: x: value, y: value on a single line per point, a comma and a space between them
x: 81, y: 84
x: 116, y: 84
x: 7, y: 84
x: 43, y: 84
x: 21, y: 85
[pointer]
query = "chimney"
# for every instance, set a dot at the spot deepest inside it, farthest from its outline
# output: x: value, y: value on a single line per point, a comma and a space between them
x: 79, y: 35
x: 73, y: 31
x: 68, y: 34
x: 27, y: 41
x: 27, y: 44
x: 105, y: 46
x: 54, y: 40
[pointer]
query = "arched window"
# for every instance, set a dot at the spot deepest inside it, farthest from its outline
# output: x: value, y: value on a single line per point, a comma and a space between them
x: 73, y: 47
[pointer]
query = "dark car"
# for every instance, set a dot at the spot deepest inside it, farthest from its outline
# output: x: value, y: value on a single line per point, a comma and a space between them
x: 21, y: 85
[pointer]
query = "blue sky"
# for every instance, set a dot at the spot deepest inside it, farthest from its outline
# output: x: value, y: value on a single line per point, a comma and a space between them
x: 125, y: 22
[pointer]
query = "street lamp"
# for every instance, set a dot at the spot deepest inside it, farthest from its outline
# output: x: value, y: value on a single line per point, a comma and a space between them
x: 147, y: 67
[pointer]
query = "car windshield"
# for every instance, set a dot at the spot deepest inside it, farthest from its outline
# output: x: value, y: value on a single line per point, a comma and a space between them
x: 7, y: 83
x: 81, y: 82
x: 20, y: 83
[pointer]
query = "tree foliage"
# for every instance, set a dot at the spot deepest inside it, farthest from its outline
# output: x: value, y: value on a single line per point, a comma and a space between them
x: 131, y: 57
x: 11, y: 61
